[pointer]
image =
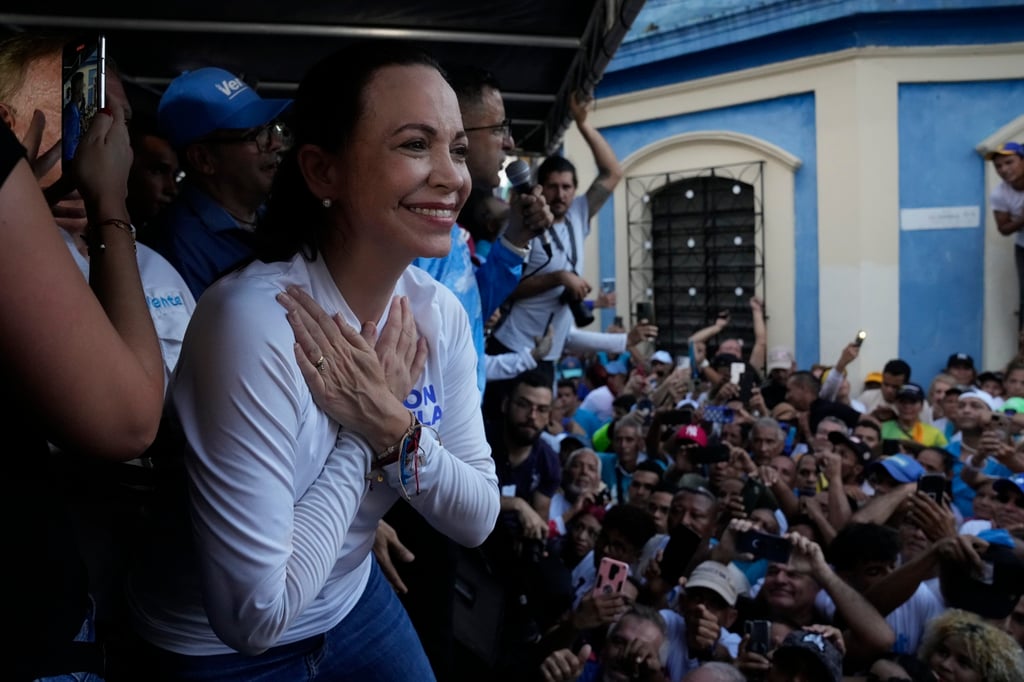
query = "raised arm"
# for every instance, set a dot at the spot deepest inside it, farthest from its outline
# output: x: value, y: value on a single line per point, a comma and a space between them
x: 87, y: 359
x: 609, y: 171
x: 707, y: 332
x: 759, y: 353
x: 868, y: 630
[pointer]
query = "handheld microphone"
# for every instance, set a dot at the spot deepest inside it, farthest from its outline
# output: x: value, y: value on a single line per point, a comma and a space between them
x: 518, y: 173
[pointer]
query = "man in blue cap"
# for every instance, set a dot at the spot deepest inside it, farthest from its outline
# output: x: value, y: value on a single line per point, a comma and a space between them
x: 229, y: 142
x: 895, y: 470
x: 1010, y: 495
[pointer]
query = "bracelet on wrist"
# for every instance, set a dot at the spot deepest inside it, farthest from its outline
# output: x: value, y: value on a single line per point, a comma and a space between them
x: 407, y: 453
x: 97, y: 244
x: 390, y: 454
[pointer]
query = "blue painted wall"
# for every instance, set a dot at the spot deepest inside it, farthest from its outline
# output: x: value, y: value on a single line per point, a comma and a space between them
x: 675, y: 57
x: 787, y: 122
x: 942, y: 271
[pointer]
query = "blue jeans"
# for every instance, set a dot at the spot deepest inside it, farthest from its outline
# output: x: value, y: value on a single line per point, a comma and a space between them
x: 86, y: 634
x: 375, y: 641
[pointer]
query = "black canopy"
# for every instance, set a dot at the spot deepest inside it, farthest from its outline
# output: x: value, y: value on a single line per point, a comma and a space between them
x: 540, y: 50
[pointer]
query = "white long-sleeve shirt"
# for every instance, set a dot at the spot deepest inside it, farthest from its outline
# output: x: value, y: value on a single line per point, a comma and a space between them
x: 283, y: 517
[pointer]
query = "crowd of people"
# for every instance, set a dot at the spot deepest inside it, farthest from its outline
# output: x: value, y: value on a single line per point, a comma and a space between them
x: 296, y: 394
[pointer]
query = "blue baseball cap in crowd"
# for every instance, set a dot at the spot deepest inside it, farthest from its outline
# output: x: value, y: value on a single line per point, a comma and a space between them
x: 903, y: 468
x: 616, y: 367
x: 1006, y: 149
x: 197, y: 103
x: 570, y: 367
x: 1015, y: 482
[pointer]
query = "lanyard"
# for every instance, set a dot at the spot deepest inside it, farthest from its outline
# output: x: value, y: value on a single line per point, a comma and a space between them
x: 572, y: 243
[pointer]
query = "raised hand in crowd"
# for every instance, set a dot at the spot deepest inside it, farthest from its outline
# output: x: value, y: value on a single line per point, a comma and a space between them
x: 753, y: 665
x: 702, y: 628
x: 723, y: 393
x: 599, y: 608
x: 850, y: 352
x: 563, y: 665
x: 995, y: 444
x: 757, y: 404
x: 829, y: 632
x: 725, y: 551
x: 673, y: 389
x: 643, y: 330
x: 637, y: 384
x: 65, y: 200
x: 936, y: 521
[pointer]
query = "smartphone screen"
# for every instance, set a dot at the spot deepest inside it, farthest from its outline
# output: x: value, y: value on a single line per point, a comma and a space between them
x: 736, y: 370
x: 682, y: 545
x: 932, y: 485
x: 764, y: 546
x: 645, y: 311
x: 753, y: 492
x: 611, y: 576
x: 760, y: 632
x: 83, y: 89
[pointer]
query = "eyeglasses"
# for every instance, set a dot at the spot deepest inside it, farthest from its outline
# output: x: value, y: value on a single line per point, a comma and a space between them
x: 524, y: 404
x: 502, y: 130
x: 264, y: 136
x: 1005, y: 499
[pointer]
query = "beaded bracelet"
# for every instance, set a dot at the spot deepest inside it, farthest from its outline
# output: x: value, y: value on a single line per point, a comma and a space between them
x: 119, y: 224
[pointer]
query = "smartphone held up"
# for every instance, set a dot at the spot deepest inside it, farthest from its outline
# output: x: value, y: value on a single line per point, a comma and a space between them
x: 83, y: 88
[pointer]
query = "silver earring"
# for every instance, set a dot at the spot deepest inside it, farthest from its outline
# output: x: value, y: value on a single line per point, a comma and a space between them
x: 326, y: 202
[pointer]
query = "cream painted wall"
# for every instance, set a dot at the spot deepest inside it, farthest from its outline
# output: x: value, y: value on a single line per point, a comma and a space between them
x: 856, y: 96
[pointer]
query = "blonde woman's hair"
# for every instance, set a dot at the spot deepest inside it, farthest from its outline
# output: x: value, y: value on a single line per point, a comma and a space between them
x: 994, y: 654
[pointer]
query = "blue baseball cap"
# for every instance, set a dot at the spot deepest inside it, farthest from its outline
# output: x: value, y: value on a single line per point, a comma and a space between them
x: 570, y: 367
x: 1015, y: 482
x: 1006, y: 149
x: 903, y: 468
x: 616, y: 367
x: 197, y: 103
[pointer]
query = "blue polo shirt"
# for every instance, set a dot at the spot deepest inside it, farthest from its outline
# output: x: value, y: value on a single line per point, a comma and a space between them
x: 200, y: 239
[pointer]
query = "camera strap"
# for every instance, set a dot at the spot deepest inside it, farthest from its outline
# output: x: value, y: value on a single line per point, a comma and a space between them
x: 572, y: 242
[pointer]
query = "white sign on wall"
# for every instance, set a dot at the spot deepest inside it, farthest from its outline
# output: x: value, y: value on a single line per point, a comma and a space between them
x: 940, y: 218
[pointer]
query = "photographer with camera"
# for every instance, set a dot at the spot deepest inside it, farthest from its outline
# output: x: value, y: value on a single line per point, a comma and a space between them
x: 552, y: 289
x: 535, y: 587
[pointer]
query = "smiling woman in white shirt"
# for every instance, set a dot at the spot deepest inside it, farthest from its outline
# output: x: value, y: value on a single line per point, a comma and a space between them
x: 304, y: 429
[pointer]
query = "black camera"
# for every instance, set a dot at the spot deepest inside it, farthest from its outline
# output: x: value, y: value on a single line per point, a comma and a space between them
x: 580, y: 312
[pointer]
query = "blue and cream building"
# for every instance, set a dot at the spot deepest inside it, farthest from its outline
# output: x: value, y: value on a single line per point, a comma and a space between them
x: 826, y: 155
